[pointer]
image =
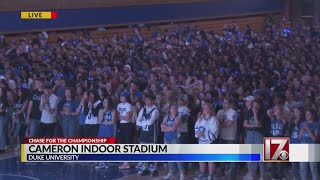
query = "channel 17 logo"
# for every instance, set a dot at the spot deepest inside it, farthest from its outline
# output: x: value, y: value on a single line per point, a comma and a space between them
x: 276, y: 149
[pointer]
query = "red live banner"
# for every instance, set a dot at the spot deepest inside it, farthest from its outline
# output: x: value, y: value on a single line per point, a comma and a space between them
x: 69, y: 140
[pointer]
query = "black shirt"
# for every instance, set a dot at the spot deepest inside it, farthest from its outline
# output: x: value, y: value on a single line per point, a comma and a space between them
x: 36, y: 99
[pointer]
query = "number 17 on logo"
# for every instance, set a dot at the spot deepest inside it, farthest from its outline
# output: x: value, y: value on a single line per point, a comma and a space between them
x: 276, y: 149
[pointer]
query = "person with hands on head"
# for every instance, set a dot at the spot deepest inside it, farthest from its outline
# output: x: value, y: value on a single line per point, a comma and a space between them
x: 48, y: 106
x: 107, y: 120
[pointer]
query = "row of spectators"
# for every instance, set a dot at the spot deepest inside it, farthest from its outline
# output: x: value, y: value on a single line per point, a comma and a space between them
x: 184, y: 85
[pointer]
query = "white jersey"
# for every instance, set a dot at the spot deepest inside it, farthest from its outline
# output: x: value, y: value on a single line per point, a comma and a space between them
x: 90, y: 119
x: 123, y: 109
x: 210, y: 129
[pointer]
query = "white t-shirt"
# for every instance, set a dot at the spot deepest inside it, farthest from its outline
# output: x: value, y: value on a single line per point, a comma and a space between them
x: 184, y: 113
x: 90, y: 119
x: 46, y: 117
x: 209, y: 127
x: 228, y: 133
x: 123, y: 109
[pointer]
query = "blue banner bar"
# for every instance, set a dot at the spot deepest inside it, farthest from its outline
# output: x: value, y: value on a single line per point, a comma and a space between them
x: 158, y: 157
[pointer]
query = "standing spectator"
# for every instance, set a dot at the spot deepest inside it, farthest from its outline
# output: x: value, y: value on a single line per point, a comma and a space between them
x: 298, y: 119
x: 227, y: 132
x: 107, y: 119
x: 184, y: 114
x: 253, y: 121
x: 69, y: 114
x: 3, y: 119
x: 18, y: 116
x: 124, y: 110
x: 34, y: 114
x: 309, y: 134
x: 92, y: 106
x: 49, y: 107
x: 207, y: 131
x: 278, y: 129
x: 148, y: 121
x: 169, y: 127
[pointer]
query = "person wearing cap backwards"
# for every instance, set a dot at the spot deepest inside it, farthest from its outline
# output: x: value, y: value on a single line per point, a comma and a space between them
x: 125, y: 129
x: 18, y: 117
x: 48, y: 106
x: 253, y: 116
x: 148, y: 121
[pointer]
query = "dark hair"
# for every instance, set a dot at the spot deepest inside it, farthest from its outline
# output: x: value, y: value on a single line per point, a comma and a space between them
x: 313, y: 112
x: 150, y: 95
x: 71, y: 89
x: 110, y: 102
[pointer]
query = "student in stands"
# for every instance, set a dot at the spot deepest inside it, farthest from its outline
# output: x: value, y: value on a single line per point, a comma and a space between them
x: 148, y: 121
x: 207, y: 131
x: 92, y: 105
x: 309, y: 134
x: 34, y: 114
x: 298, y: 119
x: 227, y: 132
x: 19, y: 124
x: 69, y: 114
x: 278, y: 129
x: 125, y: 127
x: 49, y: 108
x: 254, y: 117
x: 3, y: 119
x: 107, y: 119
x: 169, y: 127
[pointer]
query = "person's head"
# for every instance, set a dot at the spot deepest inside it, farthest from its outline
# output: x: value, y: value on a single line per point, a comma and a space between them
x: 149, y: 99
x: 310, y: 115
x: 182, y: 100
x: 226, y: 103
x: 107, y: 103
x: 138, y: 105
x: 38, y: 84
x: 173, y: 109
x: 257, y: 104
x: 109, y: 86
x: 47, y: 89
x: 208, y: 108
x: 249, y: 101
x: 69, y: 93
x: 298, y: 113
x: 124, y: 97
x: 93, y: 96
x: 278, y: 110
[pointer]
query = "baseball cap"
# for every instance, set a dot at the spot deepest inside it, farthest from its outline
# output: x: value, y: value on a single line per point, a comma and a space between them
x: 125, y: 93
x: 249, y: 98
x: 127, y: 66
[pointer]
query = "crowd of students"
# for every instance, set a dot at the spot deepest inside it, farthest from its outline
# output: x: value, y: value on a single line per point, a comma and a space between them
x: 181, y: 86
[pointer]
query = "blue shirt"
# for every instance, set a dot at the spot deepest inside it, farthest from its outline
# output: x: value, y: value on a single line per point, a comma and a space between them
x: 106, y: 130
x: 170, y: 136
x: 277, y: 128
x: 306, y: 137
x: 294, y: 135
